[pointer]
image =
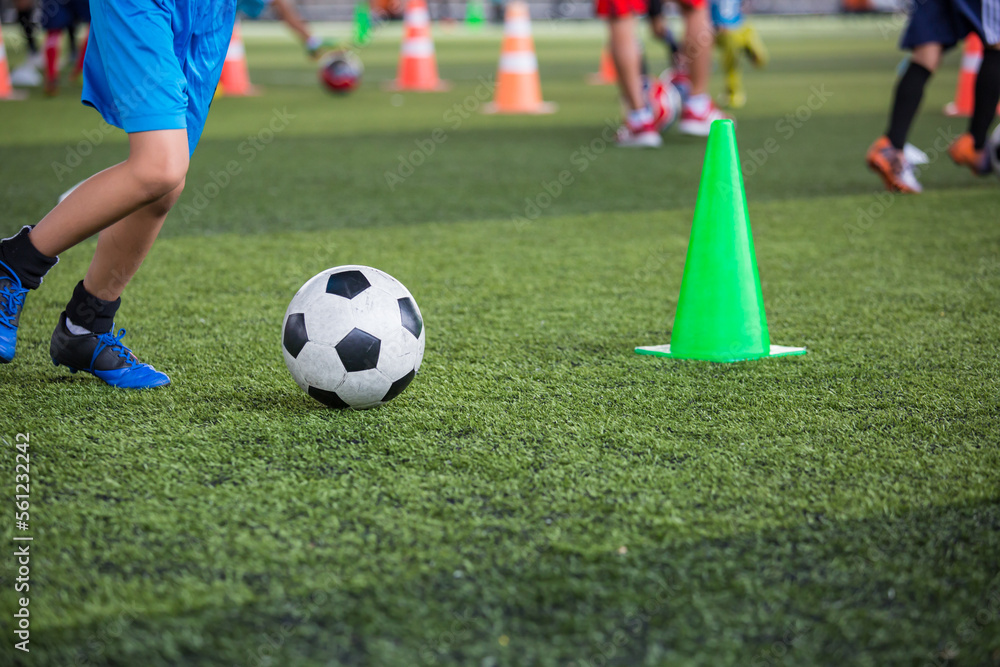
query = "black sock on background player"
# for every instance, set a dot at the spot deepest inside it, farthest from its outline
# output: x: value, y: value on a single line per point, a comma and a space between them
x: 24, y: 18
x: 906, y: 102
x: 987, y: 97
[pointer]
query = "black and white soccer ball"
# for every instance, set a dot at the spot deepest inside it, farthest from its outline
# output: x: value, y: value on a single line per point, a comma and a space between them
x: 353, y: 337
x: 993, y: 146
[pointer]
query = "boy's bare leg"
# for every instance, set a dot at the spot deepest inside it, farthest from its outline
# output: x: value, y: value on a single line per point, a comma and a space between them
x: 155, y: 168
x: 698, y: 41
x: 927, y: 56
x: 123, y: 246
x: 287, y: 13
x: 625, y: 53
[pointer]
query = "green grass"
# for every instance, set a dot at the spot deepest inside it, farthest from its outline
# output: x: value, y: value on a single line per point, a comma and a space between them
x: 540, y: 494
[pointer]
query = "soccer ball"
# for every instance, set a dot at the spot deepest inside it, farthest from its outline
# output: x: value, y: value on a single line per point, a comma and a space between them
x: 353, y: 337
x: 665, y: 101
x: 993, y: 146
x: 340, y: 71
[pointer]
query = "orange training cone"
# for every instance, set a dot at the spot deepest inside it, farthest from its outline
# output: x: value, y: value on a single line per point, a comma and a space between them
x: 7, y: 91
x: 965, y: 91
x: 235, y: 80
x: 518, y: 87
x: 607, y: 74
x: 417, y: 64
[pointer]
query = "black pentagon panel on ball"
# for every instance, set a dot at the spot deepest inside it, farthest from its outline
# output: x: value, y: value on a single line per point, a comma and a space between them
x: 359, y: 351
x: 410, y: 317
x: 328, y: 398
x: 398, y: 386
x: 295, y: 337
x: 347, y: 284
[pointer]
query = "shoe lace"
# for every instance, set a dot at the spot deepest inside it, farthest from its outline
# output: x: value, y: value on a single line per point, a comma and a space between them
x: 11, y: 302
x: 109, y: 340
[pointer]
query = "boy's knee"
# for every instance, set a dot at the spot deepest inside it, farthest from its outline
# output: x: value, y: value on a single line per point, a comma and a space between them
x: 927, y: 56
x: 161, y: 176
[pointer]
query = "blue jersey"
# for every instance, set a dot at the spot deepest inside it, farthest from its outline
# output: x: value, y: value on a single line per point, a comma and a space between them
x: 154, y: 65
x: 727, y: 13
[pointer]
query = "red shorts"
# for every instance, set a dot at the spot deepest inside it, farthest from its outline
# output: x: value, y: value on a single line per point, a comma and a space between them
x: 616, y: 8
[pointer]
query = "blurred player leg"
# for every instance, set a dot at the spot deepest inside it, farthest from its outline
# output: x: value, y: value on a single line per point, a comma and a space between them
x: 930, y: 29
x: 639, y: 129
x: 909, y: 92
x: 25, y: 9
x: 885, y: 156
x: 53, y: 38
x: 286, y: 11
x: 676, y: 60
x: 728, y: 42
x: 753, y: 45
x: 969, y: 149
x: 727, y: 20
x: 699, y: 111
x: 27, y: 74
x: 627, y: 59
x: 59, y: 15
x: 81, y: 54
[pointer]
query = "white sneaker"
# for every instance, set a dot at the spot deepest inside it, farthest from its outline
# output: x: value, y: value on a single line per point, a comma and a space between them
x: 26, y: 75
x: 643, y: 136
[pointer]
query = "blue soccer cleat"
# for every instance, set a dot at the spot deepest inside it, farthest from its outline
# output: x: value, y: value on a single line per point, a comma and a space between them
x: 11, y: 302
x: 103, y: 356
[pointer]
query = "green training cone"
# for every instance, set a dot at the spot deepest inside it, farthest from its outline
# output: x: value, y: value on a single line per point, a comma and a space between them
x: 720, y: 311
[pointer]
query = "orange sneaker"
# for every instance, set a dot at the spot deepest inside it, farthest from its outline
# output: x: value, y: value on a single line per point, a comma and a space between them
x: 963, y: 153
x: 893, y: 167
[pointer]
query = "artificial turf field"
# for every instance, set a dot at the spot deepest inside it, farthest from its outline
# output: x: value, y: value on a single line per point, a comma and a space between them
x: 540, y: 495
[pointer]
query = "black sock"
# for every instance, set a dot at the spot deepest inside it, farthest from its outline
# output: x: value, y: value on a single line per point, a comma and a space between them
x: 24, y: 18
x: 71, y: 35
x: 87, y: 311
x: 23, y: 258
x: 987, y: 97
x: 909, y: 92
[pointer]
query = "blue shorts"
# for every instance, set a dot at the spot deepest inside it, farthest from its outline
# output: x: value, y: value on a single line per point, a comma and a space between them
x: 947, y: 22
x: 61, y: 14
x: 727, y: 13
x: 154, y: 65
x: 252, y: 8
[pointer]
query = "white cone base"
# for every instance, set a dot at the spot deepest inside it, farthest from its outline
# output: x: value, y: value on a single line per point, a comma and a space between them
x: 541, y: 109
x: 14, y: 96
x: 664, y: 351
